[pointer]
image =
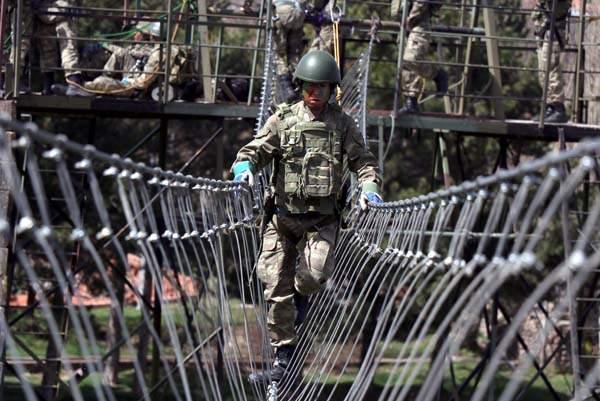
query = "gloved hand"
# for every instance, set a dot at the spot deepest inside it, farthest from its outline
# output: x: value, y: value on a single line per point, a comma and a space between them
x: 369, y: 194
x: 242, y: 171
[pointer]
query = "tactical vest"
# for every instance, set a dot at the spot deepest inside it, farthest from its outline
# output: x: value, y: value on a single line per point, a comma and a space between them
x: 311, y: 163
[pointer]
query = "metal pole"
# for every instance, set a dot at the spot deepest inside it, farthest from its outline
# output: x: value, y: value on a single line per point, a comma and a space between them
x: 493, y: 56
x: 125, y: 12
x: 3, y: 27
x: 5, y: 214
x: 165, y: 97
x: 217, y: 64
x: 203, y: 52
x: 566, y: 234
x: 548, y: 63
x: 580, y: 64
x: 468, y: 52
x: 401, y: 43
x: 157, y: 308
x: 17, y: 47
x: 268, y: 26
x: 380, y: 144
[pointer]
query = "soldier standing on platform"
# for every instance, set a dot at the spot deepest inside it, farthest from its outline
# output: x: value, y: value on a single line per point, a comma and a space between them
x: 319, y: 13
x: 415, y: 67
x: 306, y: 143
x: 288, y: 46
x: 50, y: 22
x: 555, y: 96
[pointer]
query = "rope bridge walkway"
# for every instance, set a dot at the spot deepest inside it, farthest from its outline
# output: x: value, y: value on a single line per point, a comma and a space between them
x: 413, y: 279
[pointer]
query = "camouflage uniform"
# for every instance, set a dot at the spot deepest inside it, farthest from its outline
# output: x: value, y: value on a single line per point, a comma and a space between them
x: 49, y: 25
x: 417, y: 48
x: 288, y: 35
x: 324, y: 38
x: 306, y: 222
x: 541, y: 19
x: 135, y: 79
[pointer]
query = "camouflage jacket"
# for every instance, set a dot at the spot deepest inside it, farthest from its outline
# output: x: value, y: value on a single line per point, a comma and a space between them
x: 272, y: 144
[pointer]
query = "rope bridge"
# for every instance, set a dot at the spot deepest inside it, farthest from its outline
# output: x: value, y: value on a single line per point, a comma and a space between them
x: 140, y: 284
x: 412, y: 282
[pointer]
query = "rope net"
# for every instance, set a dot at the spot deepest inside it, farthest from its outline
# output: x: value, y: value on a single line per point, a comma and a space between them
x: 414, y: 281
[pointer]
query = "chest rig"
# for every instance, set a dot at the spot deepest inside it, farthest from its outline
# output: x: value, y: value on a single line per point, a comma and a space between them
x: 311, y: 161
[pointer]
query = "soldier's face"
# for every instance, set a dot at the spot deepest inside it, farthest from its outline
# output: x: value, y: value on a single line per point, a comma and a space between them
x: 316, y: 95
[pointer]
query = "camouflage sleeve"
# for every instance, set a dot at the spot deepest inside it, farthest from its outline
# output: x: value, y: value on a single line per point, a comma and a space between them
x: 264, y: 147
x: 360, y: 160
x: 151, y: 69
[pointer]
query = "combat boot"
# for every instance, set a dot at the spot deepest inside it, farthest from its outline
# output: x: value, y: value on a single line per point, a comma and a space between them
x: 47, y: 83
x: 441, y: 82
x: 283, y: 356
x: 285, y: 89
x: 75, y: 86
x: 283, y: 359
x: 411, y: 106
x: 554, y: 113
x: 301, y: 302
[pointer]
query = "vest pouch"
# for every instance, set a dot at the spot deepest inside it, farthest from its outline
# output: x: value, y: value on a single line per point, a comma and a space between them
x: 293, y: 178
x: 320, y: 175
x: 292, y: 144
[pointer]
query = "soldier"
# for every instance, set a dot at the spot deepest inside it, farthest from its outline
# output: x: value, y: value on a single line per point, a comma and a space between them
x: 417, y: 47
x: 306, y: 142
x: 318, y: 14
x: 288, y: 46
x: 542, y: 14
x: 142, y: 63
x: 49, y: 22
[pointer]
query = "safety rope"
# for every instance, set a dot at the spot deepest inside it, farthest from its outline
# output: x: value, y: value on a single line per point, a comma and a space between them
x: 335, y: 19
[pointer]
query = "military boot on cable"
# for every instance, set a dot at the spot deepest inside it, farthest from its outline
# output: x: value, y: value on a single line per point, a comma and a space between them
x: 553, y: 113
x: 283, y: 358
x: 75, y: 86
x: 47, y: 83
x: 301, y: 302
x: 411, y: 106
x: 285, y: 89
x: 441, y: 82
x: 556, y: 113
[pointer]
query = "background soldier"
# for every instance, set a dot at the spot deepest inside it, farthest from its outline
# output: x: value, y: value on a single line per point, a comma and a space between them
x: 417, y: 47
x: 288, y: 46
x: 307, y: 190
x: 143, y: 63
x: 318, y: 13
x: 50, y: 23
x: 131, y: 59
x: 542, y: 15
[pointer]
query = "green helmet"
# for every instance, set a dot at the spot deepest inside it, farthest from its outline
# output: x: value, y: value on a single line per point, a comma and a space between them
x: 318, y: 66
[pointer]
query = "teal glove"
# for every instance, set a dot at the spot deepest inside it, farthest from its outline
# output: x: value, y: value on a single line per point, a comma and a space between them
x: 368, y: 195
x: 242, y: 171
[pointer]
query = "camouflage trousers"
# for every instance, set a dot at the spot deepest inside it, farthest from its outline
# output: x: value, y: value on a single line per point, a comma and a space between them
x: 324, y: 40
x: 297, y: 255
x: 414, y: 72
x: 542, y: 22
x: 287, y: 39
x: 556, y: 85
x: 47, y: 28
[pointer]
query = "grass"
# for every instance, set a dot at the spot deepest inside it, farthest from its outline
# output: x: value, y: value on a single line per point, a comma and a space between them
x: 464, y: 364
